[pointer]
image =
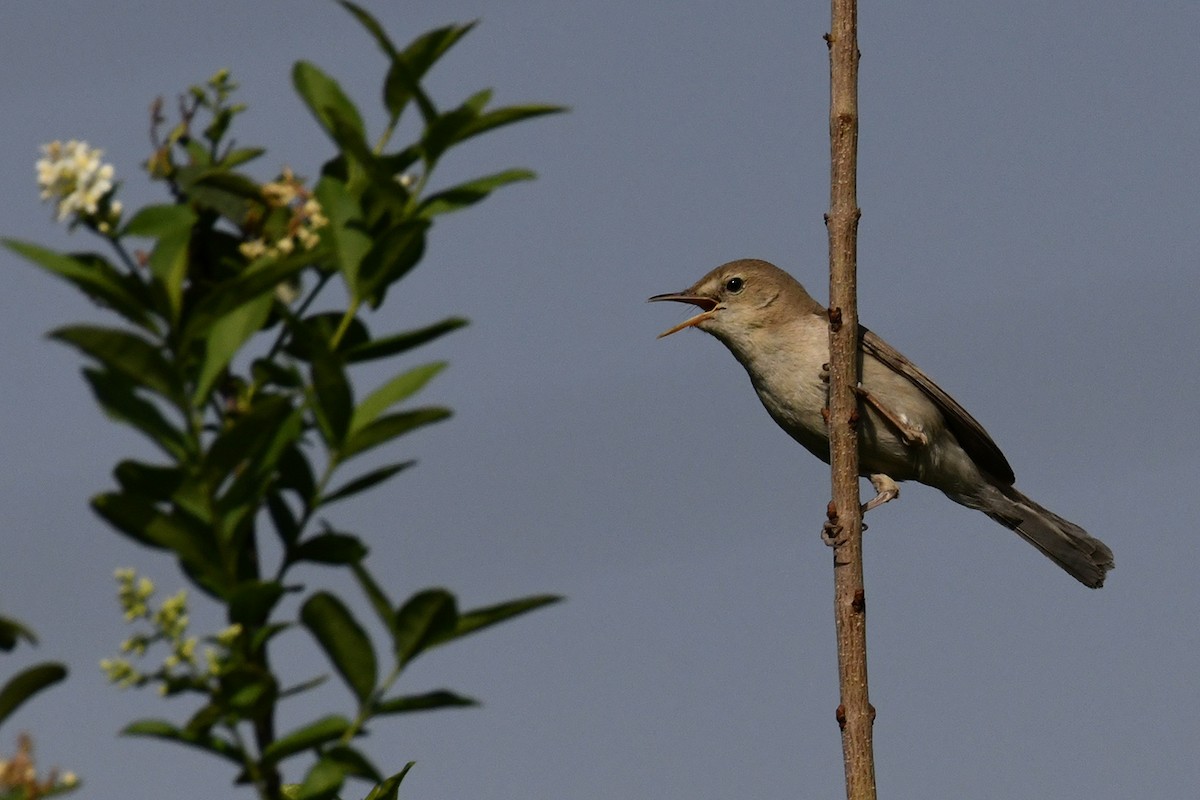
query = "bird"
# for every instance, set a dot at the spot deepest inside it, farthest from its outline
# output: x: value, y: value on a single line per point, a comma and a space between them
x: 909, y: 428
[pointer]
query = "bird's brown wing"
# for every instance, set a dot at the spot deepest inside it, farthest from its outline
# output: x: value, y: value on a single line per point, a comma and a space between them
x: 970, y: 434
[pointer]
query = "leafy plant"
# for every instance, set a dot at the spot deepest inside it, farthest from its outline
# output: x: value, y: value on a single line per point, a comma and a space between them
x: 18, y: 775
x: 222, y: 362
x: 29, y: 681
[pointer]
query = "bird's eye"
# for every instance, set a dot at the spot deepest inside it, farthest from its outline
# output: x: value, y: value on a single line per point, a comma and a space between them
x: 734, y: 285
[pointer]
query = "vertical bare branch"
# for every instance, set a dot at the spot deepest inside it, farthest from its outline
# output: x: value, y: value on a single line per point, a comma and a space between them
x: 854, y: 714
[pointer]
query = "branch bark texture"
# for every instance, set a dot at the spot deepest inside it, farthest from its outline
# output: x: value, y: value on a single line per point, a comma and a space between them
x: 854, y: 714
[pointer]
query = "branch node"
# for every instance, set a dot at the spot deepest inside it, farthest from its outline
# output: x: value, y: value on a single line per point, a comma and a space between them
x: 840, y: 715
x: 835, y: 319
x: 828, y: 40
x: 859, y: 604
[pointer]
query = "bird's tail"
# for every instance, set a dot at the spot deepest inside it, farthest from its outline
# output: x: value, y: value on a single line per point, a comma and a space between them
x: 1085, y: 557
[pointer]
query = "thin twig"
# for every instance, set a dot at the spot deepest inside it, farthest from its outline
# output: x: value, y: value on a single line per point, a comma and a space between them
x: 854, y: 714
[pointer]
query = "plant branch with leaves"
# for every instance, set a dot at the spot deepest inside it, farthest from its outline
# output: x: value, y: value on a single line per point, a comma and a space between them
x: 221, y: 362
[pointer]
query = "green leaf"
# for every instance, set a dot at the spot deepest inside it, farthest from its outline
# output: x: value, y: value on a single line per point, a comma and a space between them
x: 151, y: 481
x: 395, y: 164
x: 424, y: 619
x: 216, y: 189
x: 193, y: 498
x: 260, y: 277
x: 362, y: 165
x: 234, y: 183
x: 471, y: 192
x: 303, y: 687
x: 268, y: 632
x: 247, y: 690
x: 272, y: 373
x: 296, y: 473
x: 240, y: 156
x: 346, y: 230
x: 404, y: 76
x: 366, y: 481
x: 469, y: 120
x: 227, y: 335
x: 334, y: 398
x: 343, y: 640
x: 422, y: 702
x: 372, y: 25
x: 191, y: 541
x: 323, y: 781
x: 26, y: 684
x: 444, y: 131
x: 282, y: 518
x: 93, y: 276
x: 251, y: 602
x: 256, y: 440
x: 326, y: 100
x: 251, y: 483
x: 396, y: 390
x: 161, y: 729
x: 389, y: 427
x: 380, y: 602
x: 12, y: 631
x: 330, y: 548
x: 168, y: 262
x: 310, y: 337
x: 141, y: 521
x: 480, y: 618
x: 196, y: 151
x: 204, y: 719
x: 389, y: 789
x: 476, y: 102
x: 390, y: 258
x: 125, y: 354
x: 155, y: 221
x: 500, y: 117
x: 372, y: 179
x: 216, y: 128
x: 120, y: 401
x: 353, y: 763
x: 325, y: 729
x: 401, y: 342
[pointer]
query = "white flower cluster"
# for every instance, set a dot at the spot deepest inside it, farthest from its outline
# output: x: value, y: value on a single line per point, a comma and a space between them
x: 306, y: 218
x: 168, y: 624
x: 73, y: 176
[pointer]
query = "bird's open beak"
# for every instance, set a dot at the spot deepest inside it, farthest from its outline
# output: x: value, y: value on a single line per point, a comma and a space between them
x: 707, y: 306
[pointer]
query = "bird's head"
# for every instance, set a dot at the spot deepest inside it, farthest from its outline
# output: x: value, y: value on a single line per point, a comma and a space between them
x: 738, y: 298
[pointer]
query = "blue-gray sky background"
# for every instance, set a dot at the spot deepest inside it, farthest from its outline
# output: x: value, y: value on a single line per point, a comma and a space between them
x: 1029, y: 182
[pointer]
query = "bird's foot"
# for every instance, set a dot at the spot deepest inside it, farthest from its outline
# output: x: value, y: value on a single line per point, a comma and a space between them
x: 832, y: 533
x: 886, y: 490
